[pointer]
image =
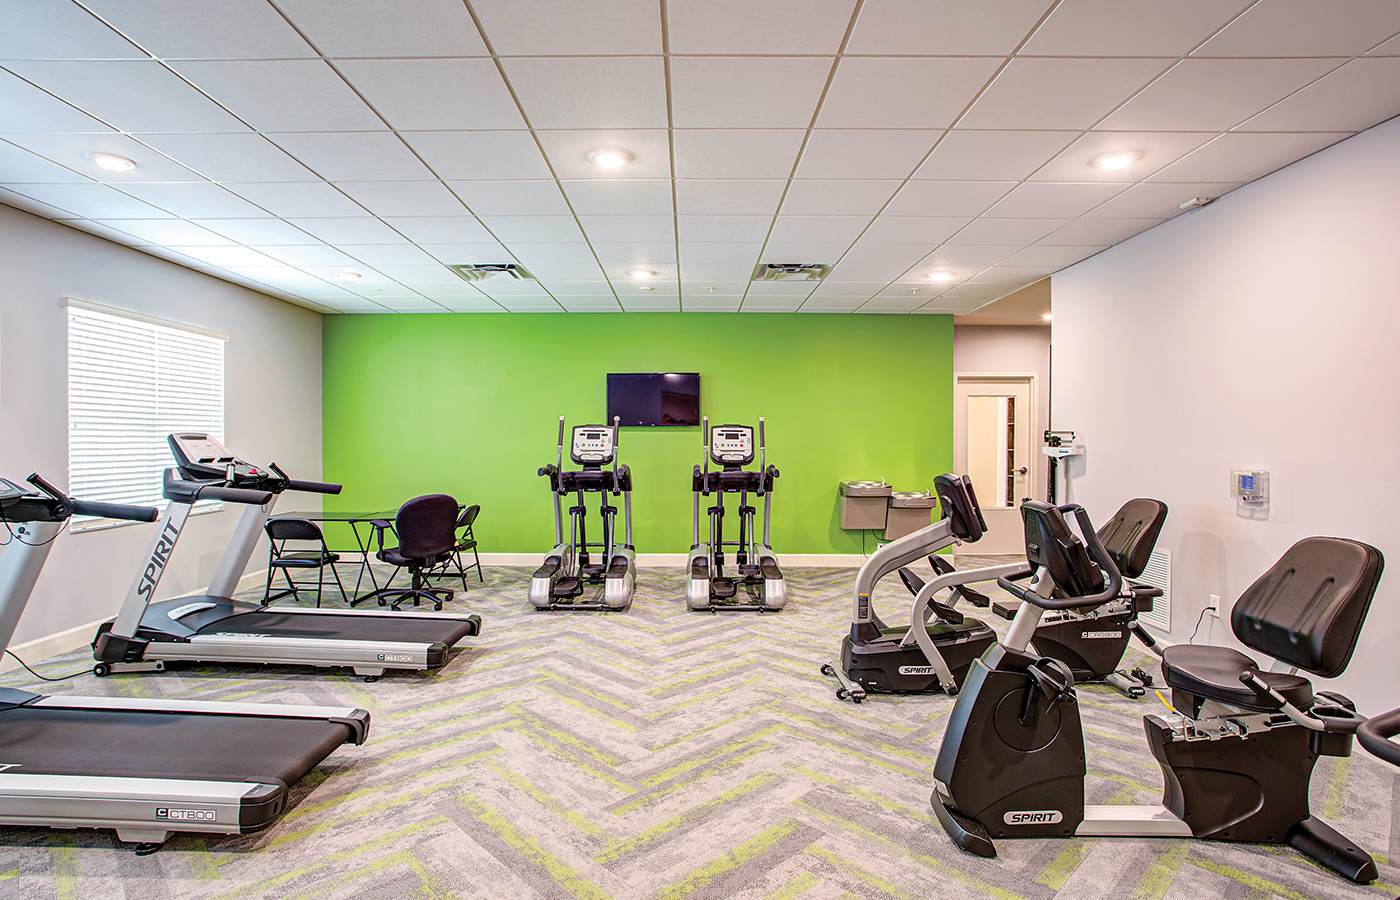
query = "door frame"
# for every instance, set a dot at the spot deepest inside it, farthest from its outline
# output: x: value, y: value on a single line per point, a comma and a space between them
x: 1029, y: 379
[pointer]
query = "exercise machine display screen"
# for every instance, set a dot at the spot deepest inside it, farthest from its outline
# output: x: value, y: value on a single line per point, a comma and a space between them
x: 731, y: 444
x: 593, y: 444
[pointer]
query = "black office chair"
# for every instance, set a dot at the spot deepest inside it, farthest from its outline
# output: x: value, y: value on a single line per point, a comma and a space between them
x: 466, y: 540
x: 284, y: 531
x: 426, y: 529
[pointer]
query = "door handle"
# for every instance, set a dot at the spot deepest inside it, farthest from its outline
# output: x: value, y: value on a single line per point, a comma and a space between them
x: 1022, y: 470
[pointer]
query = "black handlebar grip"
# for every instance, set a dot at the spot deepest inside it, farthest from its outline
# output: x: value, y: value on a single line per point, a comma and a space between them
x: 235, y: 495
x: 313, y: 487
x: 125, y: 511
x: 44, y: 485
x: 1375, y: 734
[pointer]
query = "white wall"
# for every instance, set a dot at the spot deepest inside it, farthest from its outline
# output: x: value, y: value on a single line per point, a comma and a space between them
x: 1261, y: 331
x: 1010, y: 349
x: 272, y: 398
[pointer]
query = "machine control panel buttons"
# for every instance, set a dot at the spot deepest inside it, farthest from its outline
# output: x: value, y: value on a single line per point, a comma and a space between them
x: 592, y: 443
x: 731, y: 444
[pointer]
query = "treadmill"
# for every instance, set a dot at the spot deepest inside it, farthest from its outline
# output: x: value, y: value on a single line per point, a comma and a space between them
x: 215, y: 628
x: 146, y: 768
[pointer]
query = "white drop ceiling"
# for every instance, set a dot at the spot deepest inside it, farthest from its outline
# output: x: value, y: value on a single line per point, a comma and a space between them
x: 281, y: 143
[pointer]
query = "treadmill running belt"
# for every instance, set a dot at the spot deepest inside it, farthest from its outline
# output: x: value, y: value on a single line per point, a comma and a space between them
x: 345, y: 627
x: 38, y: 741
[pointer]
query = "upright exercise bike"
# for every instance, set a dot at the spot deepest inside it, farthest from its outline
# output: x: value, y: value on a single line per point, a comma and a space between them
x: 756, y: 572
x: 569, y: 568
x: 1236, y: 754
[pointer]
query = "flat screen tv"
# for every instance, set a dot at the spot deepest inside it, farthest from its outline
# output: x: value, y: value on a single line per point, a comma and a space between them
x: 655, y: 398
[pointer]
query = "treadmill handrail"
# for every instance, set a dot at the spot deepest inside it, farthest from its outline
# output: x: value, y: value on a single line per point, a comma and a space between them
x: 181, y: 490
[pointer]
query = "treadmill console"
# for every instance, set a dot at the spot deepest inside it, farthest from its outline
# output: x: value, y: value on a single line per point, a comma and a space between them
x: 731, y: 445
x: 203, y: 457
x: 593, y: 445
x: 22, y: 504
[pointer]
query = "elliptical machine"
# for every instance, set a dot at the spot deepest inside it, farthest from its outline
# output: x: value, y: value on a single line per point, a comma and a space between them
x: 707, y: 588
x: 1236, y: 754
x: 560, y: 582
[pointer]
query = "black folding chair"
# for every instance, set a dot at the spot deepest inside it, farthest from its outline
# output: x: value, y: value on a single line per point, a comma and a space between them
x: 426, y: 529
x: 466, y: 540
x: 315, y: 555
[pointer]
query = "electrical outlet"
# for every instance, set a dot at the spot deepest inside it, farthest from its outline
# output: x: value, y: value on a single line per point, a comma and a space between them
x: 1213, y: 606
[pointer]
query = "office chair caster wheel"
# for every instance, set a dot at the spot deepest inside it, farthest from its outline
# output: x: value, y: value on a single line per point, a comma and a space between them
x: 102, y: 670
x: 828, y: 670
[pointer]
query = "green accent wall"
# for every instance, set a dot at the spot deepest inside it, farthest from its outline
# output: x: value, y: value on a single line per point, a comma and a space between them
x: 469, y: 405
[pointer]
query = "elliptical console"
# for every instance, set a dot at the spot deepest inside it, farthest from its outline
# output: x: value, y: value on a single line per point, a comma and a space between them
x: 568, y: 569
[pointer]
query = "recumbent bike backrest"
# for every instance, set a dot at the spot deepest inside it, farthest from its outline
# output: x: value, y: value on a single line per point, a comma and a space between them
x: 1132, y: 533
x: 1307, y: 610
x: 959, y: 504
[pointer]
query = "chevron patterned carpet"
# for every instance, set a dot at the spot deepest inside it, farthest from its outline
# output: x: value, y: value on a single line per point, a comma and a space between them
x: 656, y: 755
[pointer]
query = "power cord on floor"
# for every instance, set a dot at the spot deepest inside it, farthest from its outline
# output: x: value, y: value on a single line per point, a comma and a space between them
x: 11, y: 653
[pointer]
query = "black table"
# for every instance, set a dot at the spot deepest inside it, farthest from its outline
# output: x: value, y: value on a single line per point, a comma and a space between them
x: 362, y: 546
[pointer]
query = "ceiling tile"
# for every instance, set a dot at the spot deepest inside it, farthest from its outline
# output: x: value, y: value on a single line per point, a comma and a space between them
x: 1129, y: 27
x: 785, y: 251
x: 1214, y: 94
x: 1290, y: 28
x: 369, y: 254
x: 309, y: 255
x: 455, y: 254
x: 893, y: 303
x: 226, y: 256
x: 43, y: 29
x: 590, y: 92
x: 925, y: 231
x: 75, y: 152
x: 1360, y: 94
x: 1389, y: 48
x: 505, y: 198
x: 355, y: 156
x: 737, y: 92
x: 732, y: 153
x: 1006, y: 231
x: 435, y: 94
x: 691, y: 287
x: 279, y: 95
x: 549, y: 271
x: 620, y: 229
x: 380, y: 28
x: 1158, y: 149
x: 772, y: 27
x: 1020, y: 276
x: 837, y: 302
x: 404, y: 198
x: 580, y: 289
x: 91, y: 201
x: 841, y: 290
x: 943, y: 27
x: 364, y: 230
x: 718, y: 262
x: 659, y: 256
x: 472, y: 305
x: 131, y: 95
x: 660, y: 305
x: 568, y: 153
x: 440, y: 229
x: 947, y: 198
x: 588, y: 304
x: 230, y: 157
x: 718, y: 197
x: 168, y: 232
x: 30, y: 205
x: 620, y: 197
x: 532, y: 229
x: 279, y: 276
x: 898, y: 256
x: 780, y: 290
x: 902, y: 93
x: 817, y: 229
x: 271, y: 232
x: 992, y: 155
x: 719, y: 229
x: 568, y: 28
x: 693, y: 303
x: 310, y: 200
x: 1060, y: 93
x: 1050, y: 255
x: 196, y: 200
x: 229, y: 29
x: 834, y: 197
x: 1242, y: 156
x: 25, y: 108
x: 866, y: 153
x: 1051, y: 200
x: 1097, y: 231
x: 574, y: 253
x: 966, y: 260
x: 1157, y: 201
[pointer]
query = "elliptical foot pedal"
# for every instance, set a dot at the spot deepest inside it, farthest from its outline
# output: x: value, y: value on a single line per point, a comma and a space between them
x: 568, y: 587
x: 722, y: 588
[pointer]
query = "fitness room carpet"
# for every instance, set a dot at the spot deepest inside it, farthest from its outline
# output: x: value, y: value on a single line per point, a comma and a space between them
x: 659, y: 754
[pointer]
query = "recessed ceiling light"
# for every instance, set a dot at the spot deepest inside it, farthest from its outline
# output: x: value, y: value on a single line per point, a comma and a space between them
x: 642, y: 274
x: 1120, y: 159
x: 113, y: 163
x: 646, y: 287
x: 610, y: 159
x: 1046, y: 317
x: 349, y: 276
x: 941, y: 276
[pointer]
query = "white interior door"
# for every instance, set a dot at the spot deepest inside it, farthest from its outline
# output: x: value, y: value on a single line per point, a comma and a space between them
x: 993, y: 436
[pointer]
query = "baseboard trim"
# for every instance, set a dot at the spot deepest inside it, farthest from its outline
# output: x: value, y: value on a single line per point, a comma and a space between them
x: 842, y: 560
x: 40, y: 649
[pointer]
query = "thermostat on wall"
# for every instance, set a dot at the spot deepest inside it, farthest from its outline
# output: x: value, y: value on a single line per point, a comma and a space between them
x: 1250, y: 486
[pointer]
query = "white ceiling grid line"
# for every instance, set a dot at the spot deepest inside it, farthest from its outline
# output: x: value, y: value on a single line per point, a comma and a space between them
x: 338, y: 155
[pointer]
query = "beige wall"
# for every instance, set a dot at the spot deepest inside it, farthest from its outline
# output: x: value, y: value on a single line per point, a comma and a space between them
x: 1010, y: 349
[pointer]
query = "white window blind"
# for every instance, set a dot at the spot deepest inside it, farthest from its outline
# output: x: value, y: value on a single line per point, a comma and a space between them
x: 131, y: 382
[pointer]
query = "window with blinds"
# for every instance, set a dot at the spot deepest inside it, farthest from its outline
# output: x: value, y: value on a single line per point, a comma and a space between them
x: 131, y: 382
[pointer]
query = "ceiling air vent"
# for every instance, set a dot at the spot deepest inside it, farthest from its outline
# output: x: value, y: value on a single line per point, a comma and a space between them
x: 482, y: 271
x: 790, y: 271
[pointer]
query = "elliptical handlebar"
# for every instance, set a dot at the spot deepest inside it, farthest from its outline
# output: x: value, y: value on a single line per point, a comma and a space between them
x: 1113, y: 579
x: 559, y: 449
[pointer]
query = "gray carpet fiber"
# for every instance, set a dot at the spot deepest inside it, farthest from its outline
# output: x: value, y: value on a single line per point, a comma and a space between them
x: 660, y: 754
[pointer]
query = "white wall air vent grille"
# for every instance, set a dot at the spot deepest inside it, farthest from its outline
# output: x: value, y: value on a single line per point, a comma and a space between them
x: 482, y: 271
x: 1158, y: 574
x: 790, y: 271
